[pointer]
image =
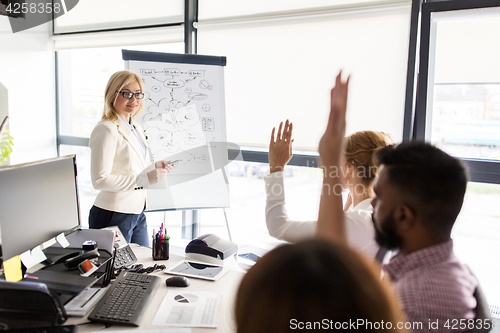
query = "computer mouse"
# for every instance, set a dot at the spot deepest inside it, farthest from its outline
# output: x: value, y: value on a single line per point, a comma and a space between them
x: 177, y: 281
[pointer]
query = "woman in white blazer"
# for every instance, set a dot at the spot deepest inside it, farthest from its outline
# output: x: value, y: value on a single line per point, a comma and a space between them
x: 121, y: 165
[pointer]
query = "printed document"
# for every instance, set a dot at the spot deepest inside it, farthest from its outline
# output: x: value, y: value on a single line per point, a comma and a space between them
x: 189, y: 309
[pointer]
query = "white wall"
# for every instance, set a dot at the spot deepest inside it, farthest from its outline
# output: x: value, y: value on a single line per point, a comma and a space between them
x: 27, y: 70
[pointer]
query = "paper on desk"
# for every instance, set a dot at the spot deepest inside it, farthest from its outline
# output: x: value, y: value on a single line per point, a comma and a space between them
x: 27, y: 259
x: 49, y: 243
x: 189, y: 309
x: 38, y: 254
x: 62, y: 240
x: 164, y: 330
x: 33, y: 257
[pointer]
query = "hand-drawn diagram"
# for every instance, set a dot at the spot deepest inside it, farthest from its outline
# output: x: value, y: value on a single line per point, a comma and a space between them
x: 207, y: 124
x: 183, y: 118
x: 175, y: 97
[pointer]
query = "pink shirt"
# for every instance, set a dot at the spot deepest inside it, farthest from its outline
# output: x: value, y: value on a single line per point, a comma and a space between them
x: 433, y: 287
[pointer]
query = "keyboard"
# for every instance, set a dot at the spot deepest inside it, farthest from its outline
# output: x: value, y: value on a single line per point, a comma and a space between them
x: 124, y: 257
x: 126, y: 300
x: 124, y: 254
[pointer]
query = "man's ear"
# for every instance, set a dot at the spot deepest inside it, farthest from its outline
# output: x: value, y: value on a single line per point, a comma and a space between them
x: 404, y: 217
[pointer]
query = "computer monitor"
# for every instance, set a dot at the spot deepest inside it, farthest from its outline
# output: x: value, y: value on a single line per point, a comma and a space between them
x: 38, y: 201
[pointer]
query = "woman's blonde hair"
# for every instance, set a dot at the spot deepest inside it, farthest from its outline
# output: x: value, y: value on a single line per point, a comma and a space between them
x: 361, y: 149
x: 116, y: 83
x: 313, y: 281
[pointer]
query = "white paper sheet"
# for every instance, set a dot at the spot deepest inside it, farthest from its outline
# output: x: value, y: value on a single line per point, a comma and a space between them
x: 189, y: 309
x: 27, y: 259
x: 38, y: 254
x: 33, y: 257
x: 62, y: 240
x: 49, y: 243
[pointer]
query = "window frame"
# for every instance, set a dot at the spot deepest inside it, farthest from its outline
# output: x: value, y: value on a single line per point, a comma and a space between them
x: 414, y: 128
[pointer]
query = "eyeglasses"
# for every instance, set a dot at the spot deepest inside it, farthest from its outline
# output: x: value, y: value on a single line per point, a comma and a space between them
x: 128, y: 94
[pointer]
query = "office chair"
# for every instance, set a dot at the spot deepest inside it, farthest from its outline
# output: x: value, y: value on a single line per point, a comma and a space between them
x: 483, y: 313
x: 26, y: 305
x: 381, y: 255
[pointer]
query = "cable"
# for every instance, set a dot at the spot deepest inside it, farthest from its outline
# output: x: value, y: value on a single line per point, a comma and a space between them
x: 139, y: 268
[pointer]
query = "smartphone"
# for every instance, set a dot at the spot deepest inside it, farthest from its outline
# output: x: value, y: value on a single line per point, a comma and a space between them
x: 247, y: 260
x: 249, y: 256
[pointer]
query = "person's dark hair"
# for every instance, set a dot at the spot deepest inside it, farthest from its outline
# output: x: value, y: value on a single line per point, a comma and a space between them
x: 310, y: 282
x: 428, y: 180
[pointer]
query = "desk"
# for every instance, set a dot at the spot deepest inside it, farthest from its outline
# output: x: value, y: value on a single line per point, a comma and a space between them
x: 227, y: 284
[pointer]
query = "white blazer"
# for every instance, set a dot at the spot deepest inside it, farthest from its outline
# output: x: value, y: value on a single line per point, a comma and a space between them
x: 358, y: 220
x: 118, y: 168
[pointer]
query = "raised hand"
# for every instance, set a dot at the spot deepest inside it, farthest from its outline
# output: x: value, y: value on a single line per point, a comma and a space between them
x: 280, y: 148
x: 331, y: 222
x: 330, y: 145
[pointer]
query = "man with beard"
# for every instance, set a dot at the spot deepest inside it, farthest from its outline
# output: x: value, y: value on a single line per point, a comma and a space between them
x: 418, y: 195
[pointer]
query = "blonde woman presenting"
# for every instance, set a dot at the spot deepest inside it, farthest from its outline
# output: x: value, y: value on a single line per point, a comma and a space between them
x: 122, y: 167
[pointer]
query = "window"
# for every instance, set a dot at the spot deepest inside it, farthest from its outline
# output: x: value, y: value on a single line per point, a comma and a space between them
x: 246, y: 215
x: 457, y: 109
x: 463, y: 101
x: 83, y: 75
x: 457, y: 106
x: 91, y: 15
x: 224, y: 9
x: 476, y: 236
x: 284, y: 68
x: 86, y: 192
x: 465, y: 119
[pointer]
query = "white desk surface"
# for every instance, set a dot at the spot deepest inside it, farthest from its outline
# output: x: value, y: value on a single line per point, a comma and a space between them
x: 227, y: 284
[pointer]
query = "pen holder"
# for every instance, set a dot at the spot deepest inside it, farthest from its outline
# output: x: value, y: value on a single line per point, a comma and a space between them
x: 161, y: 249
